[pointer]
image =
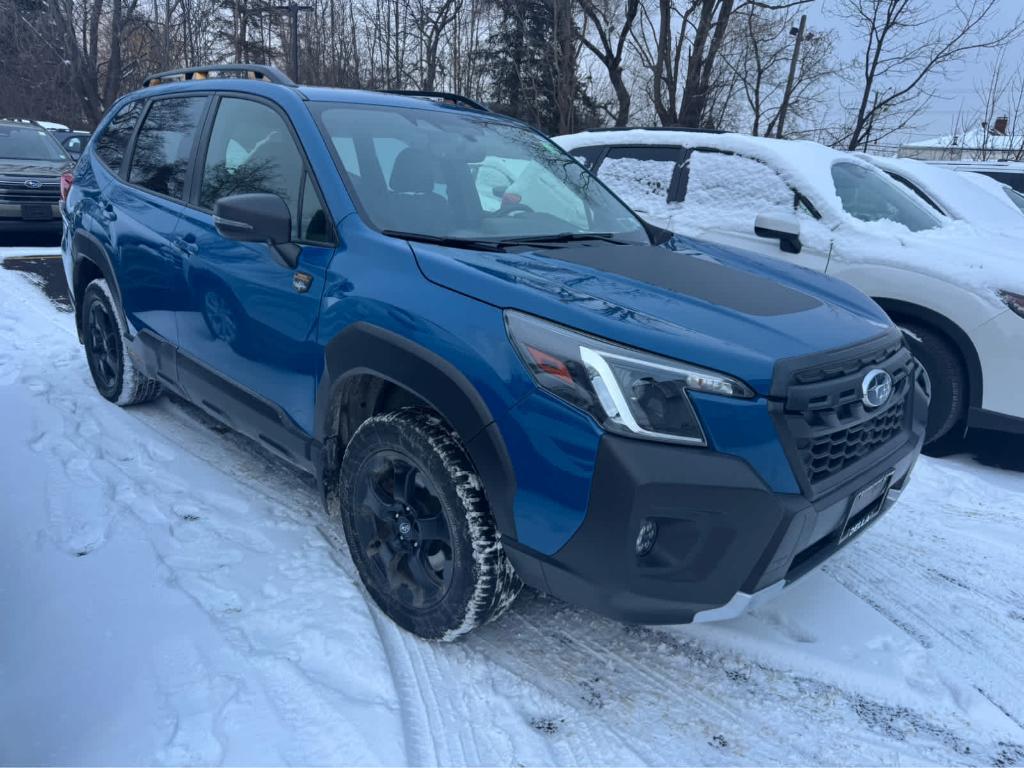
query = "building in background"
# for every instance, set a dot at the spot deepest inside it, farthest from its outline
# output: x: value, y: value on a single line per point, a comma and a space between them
x: 982, y: 143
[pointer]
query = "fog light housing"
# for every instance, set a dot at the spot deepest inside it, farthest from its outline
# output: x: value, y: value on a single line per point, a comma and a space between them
x: 645, y: 537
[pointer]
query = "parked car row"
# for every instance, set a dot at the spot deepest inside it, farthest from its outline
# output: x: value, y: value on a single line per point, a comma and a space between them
x: 940, y: 252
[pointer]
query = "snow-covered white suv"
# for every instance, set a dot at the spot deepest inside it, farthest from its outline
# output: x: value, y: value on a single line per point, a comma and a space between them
x: 956, y: 290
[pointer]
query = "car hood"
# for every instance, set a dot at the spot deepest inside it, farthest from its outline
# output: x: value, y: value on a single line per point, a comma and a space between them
x: 735, y: 312
x: 957, y: 252
x: 33, y: 168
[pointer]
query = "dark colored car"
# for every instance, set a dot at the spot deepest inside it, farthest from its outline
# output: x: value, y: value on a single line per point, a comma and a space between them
x: 73, y: 141
x: 491, y: 389
x: 32, y: 163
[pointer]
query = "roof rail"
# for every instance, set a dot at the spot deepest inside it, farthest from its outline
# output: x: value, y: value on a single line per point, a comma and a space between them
x: 672, y: 128
x: 442, y: 96
x: 252, y: 71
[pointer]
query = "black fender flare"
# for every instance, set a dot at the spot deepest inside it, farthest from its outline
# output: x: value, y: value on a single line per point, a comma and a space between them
x: 975, y: 380
x: 366, y: 349
x: 85, y: 247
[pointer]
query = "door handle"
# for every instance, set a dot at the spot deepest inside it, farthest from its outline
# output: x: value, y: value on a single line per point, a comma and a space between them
x: 187, y: 245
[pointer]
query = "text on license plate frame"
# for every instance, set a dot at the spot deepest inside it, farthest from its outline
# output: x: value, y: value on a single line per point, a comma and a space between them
x: 866, y: 505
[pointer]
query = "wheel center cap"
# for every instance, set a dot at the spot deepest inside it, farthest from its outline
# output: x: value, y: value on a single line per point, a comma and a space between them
x: 404, y: 526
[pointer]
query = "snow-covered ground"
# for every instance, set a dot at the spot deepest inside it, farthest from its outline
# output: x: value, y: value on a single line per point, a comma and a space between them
x: 170, y: 594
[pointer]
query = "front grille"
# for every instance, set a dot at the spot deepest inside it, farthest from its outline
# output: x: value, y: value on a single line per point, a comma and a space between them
x: 829, y: 426
x: 16, y: 192
x: 825, y: 455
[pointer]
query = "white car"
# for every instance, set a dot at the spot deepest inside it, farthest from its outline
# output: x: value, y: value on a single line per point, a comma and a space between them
x: 969, y: 197
x: 956, y: 290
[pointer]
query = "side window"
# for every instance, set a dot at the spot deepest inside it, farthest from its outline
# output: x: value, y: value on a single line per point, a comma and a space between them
x: 641, y: 176
x: 164, y: 144
x: 587, y: 155
x: 252, y: 150
x: 111, y: 145
x: 724, y: 182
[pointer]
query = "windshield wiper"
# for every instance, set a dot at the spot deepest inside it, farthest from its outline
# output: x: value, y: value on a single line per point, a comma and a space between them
x: 563, y: 237
x: 453, y: 242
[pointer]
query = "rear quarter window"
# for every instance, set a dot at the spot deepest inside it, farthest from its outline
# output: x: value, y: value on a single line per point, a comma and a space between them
x: 113, y: 142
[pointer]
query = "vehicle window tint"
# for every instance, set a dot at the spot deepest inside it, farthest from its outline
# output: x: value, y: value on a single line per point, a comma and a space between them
x: 112, y: 143
x: 312, y: 226
x: 162, y: 149
x: 727, y: 182
x: 587, y: 155
x: 641, y: 176
x: 251, y: 150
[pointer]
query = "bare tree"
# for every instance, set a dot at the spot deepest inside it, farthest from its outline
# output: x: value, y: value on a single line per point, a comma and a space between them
x: 758, y: 56
x: 611, y: 23
x: 696, y: 30
x: 906, y: 48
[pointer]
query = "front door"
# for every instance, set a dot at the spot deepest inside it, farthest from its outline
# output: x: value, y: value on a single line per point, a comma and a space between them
x: 247, y: 342
x: 724, y: 194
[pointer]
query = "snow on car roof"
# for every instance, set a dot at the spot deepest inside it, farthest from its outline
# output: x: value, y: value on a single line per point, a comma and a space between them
x: 972, y: 197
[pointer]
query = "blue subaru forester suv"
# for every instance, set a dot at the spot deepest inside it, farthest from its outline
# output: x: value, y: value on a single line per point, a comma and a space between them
x: 497, y: 372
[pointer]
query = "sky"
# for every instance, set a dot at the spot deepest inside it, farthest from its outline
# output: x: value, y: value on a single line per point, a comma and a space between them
x: 961, y: 82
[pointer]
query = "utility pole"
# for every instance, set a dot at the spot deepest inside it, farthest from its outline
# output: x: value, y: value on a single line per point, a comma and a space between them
x: 292, y: 9
x: 788, y: 93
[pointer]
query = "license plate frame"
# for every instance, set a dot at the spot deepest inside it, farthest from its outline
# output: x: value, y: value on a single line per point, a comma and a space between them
x: 37, y: 211
x: 866, y: 505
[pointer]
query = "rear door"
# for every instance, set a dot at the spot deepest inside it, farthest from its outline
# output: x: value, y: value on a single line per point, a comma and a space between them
x: 143, y: 206
x: 246, y: 328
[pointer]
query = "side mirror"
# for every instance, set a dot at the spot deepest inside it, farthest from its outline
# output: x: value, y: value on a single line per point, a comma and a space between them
x: 257, y: 217
x: 782, y: 227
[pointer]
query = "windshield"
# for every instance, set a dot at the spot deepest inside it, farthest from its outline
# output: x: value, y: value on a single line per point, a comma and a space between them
x: 27, y: 142
x: 462, y: 176
x: 870, y: 195
x: 1015, y: 197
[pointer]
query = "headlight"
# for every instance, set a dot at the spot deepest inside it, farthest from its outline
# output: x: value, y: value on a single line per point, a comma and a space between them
x: 625, y: 390
x: 1014, y: 301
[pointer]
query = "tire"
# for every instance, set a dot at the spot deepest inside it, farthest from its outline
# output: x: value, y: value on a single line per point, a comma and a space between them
x: 948, y: 376
x: 103, y: 333
x: 419, y: 528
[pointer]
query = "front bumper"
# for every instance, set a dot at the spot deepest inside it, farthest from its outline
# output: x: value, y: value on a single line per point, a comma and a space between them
x: 999, y: 342
x: 725, y: 540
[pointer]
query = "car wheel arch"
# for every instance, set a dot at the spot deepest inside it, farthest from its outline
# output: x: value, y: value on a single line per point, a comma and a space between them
x: 902, y: 310
x: 91, y: 262
x: 370, y: 370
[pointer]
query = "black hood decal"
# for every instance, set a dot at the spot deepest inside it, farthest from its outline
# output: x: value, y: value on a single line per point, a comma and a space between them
x: 691, y: 274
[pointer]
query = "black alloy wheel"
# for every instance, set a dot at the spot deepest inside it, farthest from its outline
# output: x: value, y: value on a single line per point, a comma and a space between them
x: 402, y: 529
x: 103, y: 347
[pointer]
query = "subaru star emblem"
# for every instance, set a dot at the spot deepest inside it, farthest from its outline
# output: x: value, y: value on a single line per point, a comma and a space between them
x: 876, y: 388
x: 33, y: 184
